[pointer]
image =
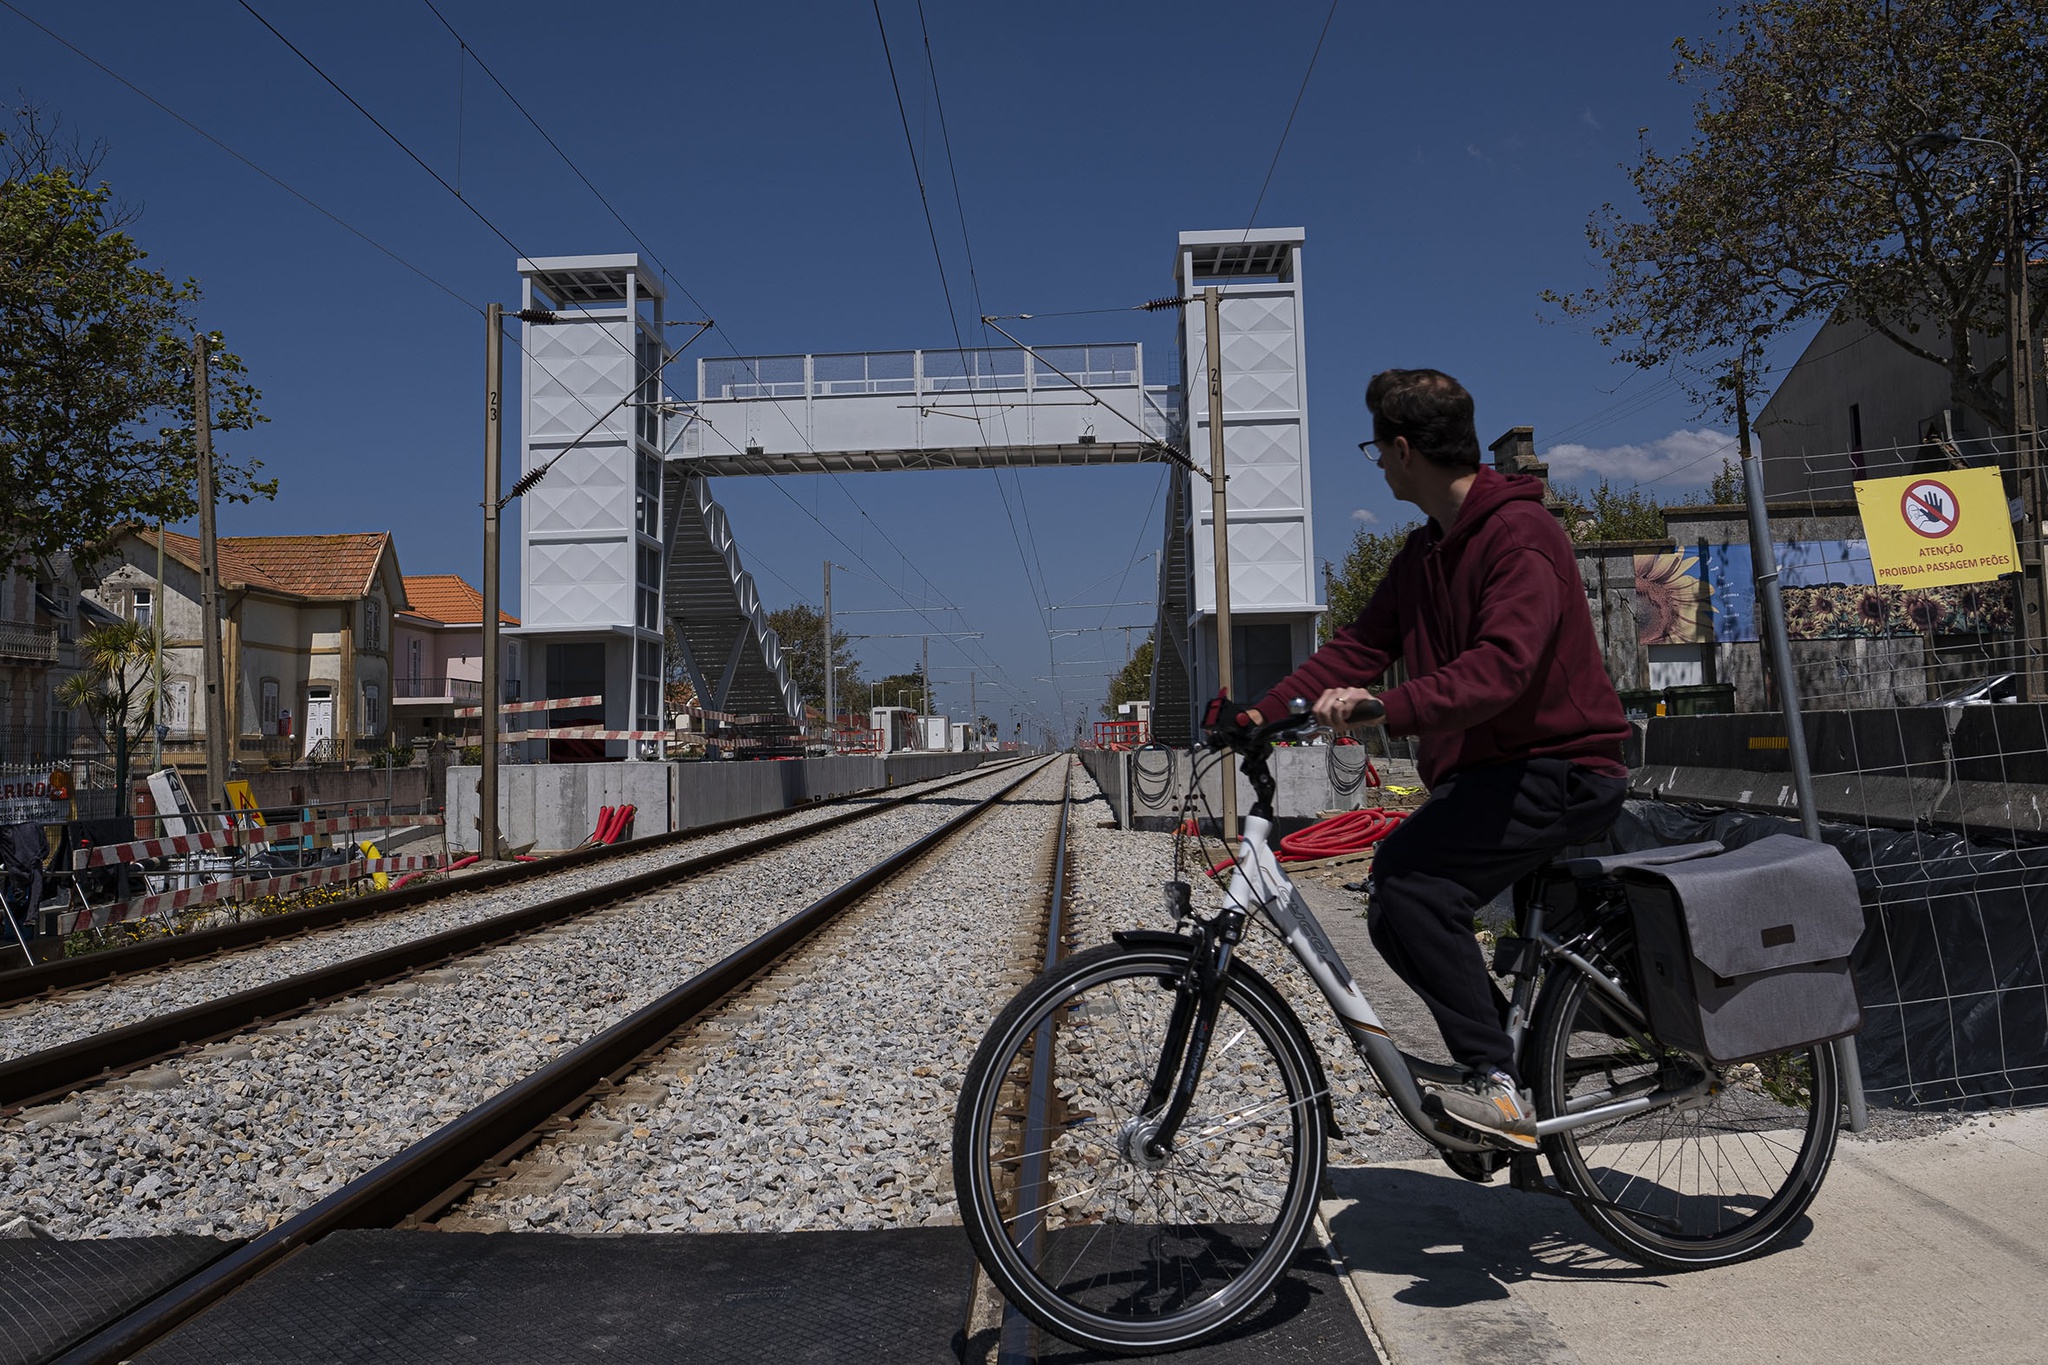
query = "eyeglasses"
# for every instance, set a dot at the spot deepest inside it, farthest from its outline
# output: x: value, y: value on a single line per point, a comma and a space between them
x: 1376, y: 449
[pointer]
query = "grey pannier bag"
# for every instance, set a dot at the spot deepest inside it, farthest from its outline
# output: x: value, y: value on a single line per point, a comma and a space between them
x: 1746, y: 953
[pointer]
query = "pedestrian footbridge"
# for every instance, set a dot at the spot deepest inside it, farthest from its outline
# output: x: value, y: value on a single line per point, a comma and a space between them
x: 984, y: 408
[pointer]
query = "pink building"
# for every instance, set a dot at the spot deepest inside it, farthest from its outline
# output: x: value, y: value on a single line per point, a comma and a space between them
x: 437, y: 664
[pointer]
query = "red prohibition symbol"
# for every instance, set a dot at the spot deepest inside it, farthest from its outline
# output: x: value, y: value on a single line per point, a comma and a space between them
x: 1930, y: 508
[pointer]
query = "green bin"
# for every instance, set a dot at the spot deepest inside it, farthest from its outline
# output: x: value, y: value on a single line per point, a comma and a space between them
x: 1640, y: 703
x: 1704, y: 699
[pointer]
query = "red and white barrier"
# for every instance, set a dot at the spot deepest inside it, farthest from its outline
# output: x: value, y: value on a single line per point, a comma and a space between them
x: 515, y: 708
x: 241, y: 836
x: 245, y: 888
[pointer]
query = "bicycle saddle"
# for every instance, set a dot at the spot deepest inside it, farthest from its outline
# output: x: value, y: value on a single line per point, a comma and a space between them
x: 1607, y: 865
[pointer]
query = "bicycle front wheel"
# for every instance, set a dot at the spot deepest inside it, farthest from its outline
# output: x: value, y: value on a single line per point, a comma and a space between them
x: 1719, y: 1179
x: 1079, y: 1228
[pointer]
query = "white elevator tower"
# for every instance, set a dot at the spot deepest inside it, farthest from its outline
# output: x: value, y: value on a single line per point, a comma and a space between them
x: 1273, y: 587
x: 591, y: 535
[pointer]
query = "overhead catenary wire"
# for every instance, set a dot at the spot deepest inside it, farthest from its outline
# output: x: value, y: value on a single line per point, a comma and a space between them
x: 1266, y: 184
x: 1040, y: 594
x: 273, y: 178
x: 487, y: 222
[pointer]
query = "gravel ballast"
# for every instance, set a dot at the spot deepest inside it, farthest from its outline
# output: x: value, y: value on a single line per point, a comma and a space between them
x: 823, y: 1096
x: 46, y: 1022
x: 235, y: 1137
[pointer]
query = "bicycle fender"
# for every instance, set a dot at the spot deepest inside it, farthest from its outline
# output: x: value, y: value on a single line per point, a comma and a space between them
x: 1151, y: 938
x: 1156, y: 938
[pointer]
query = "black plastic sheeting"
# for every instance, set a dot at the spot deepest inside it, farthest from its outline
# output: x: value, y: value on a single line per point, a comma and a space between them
x: 1950, y: 963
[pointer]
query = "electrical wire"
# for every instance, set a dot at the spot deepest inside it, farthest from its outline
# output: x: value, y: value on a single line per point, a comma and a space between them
x: 1040, y: 594
x: 502, y: 236
x: 1296, y: 109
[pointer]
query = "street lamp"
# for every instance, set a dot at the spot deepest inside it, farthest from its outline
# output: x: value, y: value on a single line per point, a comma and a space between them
x: 2020, y: 376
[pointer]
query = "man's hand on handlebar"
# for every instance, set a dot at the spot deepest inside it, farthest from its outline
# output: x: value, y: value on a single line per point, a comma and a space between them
x: 1345, y: 706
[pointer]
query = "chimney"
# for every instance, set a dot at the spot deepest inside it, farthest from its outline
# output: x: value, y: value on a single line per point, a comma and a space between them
x: 1515, y: 453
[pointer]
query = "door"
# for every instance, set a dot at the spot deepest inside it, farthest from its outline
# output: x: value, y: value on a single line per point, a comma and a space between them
x: 319, y: 718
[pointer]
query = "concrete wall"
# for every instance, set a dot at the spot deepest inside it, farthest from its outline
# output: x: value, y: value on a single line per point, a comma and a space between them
x: 555, y: 805
x: 1145, y: 787
x: 1962, y: 767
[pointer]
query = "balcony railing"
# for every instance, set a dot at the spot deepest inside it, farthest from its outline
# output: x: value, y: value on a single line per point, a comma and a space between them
x: 463, y: 690
x: 36, y: 644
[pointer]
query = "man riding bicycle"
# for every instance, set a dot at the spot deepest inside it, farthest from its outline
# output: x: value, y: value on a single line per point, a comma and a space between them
x: 1521, y: 732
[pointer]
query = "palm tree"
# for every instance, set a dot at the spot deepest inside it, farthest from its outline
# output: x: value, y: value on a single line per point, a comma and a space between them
x: 113, y: 686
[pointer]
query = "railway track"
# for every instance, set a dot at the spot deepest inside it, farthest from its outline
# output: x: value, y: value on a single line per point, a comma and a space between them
x: 473, y: 1150
x: 109, y: 1037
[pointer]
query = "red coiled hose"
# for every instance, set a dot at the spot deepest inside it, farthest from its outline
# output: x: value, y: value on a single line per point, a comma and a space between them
x: 1352, y: 831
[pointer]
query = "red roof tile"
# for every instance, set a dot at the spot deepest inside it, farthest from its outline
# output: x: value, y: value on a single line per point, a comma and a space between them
x: 327, y: 567
x: 449, y: 599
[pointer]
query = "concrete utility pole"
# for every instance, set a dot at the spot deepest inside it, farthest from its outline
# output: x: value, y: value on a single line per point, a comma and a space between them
x: 209, y: 587
x: 494, y: 452
x: 973, y: 716
x: 831, y: 691
x: 924, y: 678
x: 1219, y: 509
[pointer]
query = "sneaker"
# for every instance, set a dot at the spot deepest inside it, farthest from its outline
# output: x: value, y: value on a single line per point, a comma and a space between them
x: 1490, y: 1106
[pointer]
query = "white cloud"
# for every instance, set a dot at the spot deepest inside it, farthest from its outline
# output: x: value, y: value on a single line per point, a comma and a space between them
x: 1586, y: 117
x: 1677, y: 463
x: 1365, y: 516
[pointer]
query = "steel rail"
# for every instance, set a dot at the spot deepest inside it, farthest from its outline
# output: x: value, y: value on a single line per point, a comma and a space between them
x: 418, y: 1176
x: 56, y: 1071
x: 70, y: 973
x: 1016, y: 1346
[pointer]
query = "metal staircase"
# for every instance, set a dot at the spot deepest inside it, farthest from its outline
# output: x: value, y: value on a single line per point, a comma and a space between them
x: 728, y: 650
x: 1173, y: 716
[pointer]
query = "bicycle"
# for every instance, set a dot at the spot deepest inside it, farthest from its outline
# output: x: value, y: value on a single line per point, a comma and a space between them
x: 1148, y: 1183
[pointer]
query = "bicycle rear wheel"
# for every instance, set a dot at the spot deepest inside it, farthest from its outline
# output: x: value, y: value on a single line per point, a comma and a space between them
x: 1080, y: 1230
x: 1718, y: 1180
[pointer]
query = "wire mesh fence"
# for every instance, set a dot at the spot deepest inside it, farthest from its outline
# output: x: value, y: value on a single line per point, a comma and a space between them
x: 1927, y: 740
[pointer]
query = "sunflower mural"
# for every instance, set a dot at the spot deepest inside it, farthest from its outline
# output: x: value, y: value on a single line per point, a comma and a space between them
x: 1670, y: 600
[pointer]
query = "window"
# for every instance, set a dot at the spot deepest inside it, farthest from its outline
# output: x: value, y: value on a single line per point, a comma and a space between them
x: 373, y: 710
x: 650, y: 589
x: 142, y: 606
x: 647, y: 498
x: 373, y: 624
x: 1856, y: 437
x: 412, y: 663
x: 266, y: 704
x: 647, y: 688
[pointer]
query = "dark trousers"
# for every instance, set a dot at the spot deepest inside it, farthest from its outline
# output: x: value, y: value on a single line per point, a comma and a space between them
x: 1479, y: 832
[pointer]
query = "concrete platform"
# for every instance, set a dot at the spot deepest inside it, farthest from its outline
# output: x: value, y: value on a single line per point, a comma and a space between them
x: 1917, y: 1249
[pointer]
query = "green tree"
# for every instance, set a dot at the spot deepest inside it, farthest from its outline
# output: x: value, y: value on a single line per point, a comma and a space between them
x: 1800, y: 195
x: 113, y: 687
x: 1610, y: 513
x: 96, y: 410
x: 1134, y: 682
x: 1726, y: 489
x: 1350, y: 586
x: 801, y: 628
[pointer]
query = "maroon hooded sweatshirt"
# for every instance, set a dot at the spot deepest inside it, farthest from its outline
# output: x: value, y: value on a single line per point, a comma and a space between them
x: 1492, y: 621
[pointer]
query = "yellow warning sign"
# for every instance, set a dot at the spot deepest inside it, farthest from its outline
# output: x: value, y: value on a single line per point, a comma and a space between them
x: 241, y: 799
x: 1928, y: 529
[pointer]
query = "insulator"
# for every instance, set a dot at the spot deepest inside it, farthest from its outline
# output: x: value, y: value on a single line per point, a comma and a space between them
x: 1156, y: 305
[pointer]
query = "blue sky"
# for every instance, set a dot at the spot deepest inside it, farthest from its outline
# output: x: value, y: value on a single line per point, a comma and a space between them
x: 1443, y: 166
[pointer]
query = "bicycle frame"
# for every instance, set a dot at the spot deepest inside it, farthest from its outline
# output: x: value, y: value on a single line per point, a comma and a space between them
x: 1259, y: 886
